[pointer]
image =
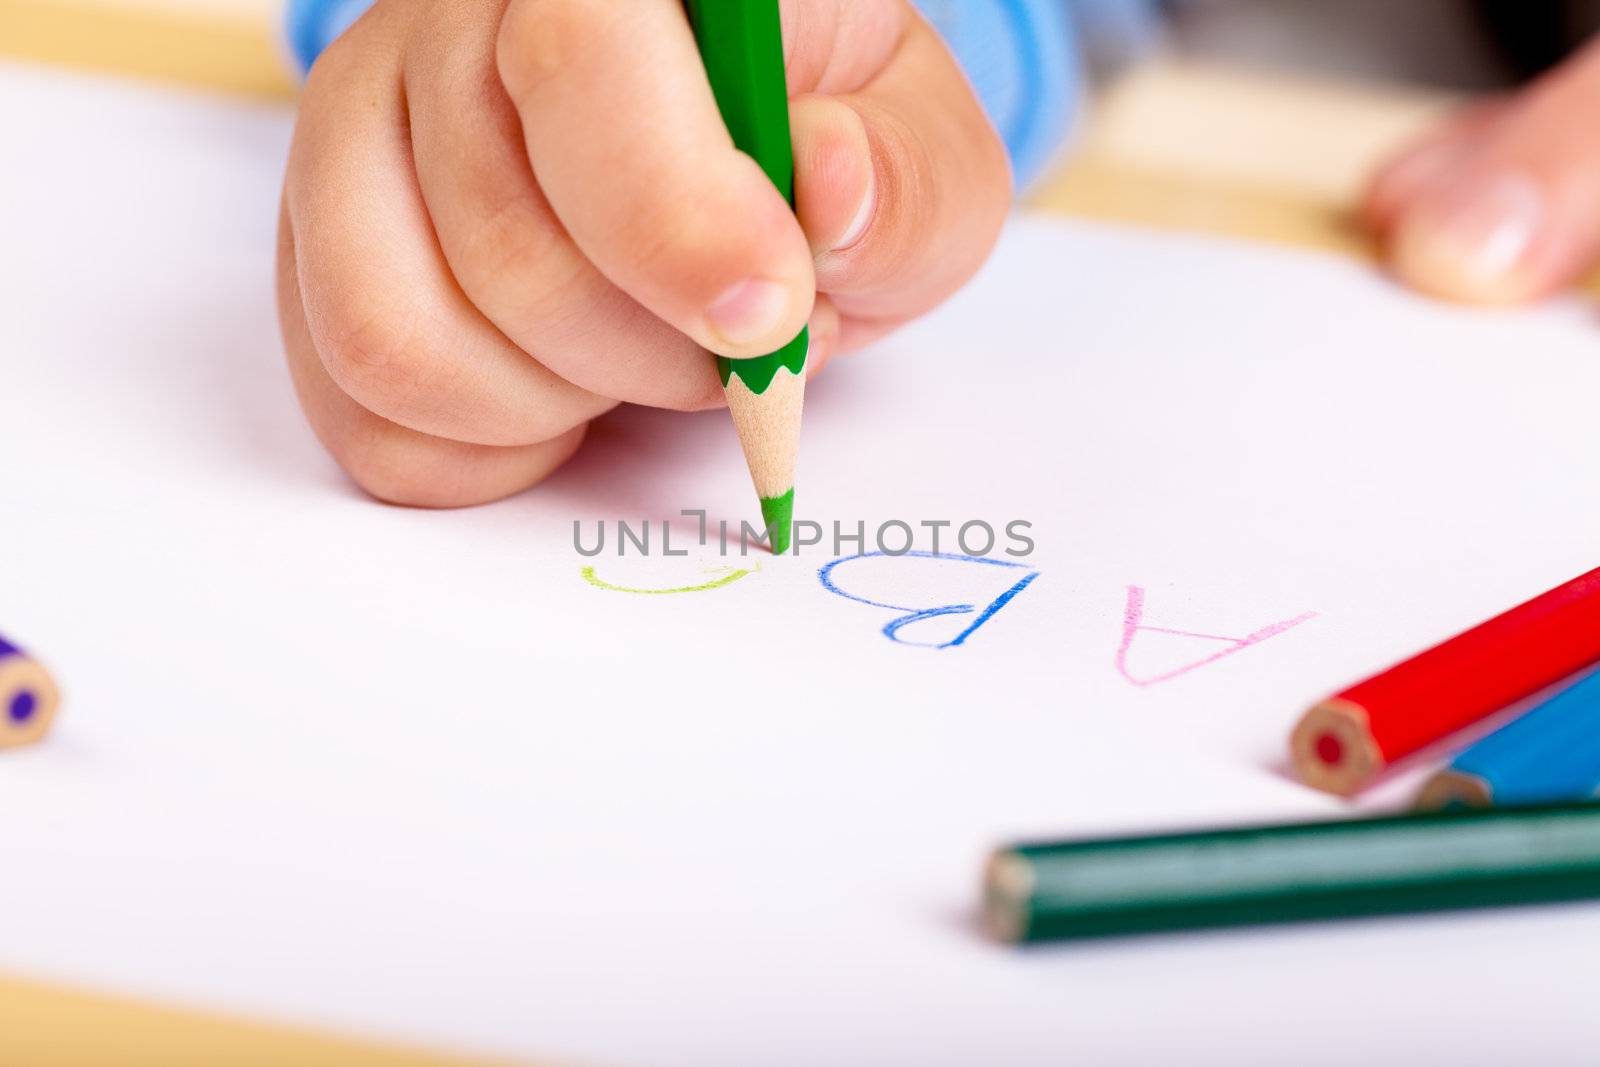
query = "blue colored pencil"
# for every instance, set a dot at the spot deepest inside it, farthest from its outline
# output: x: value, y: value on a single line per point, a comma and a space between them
x: 1550, y: 754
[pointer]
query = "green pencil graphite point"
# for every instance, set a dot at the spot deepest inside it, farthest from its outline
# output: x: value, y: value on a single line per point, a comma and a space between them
x: 778, y: 513
x: 741, y: 45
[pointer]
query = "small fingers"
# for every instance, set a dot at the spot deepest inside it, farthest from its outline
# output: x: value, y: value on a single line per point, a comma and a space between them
x: 386, y: 317
x: 509, y: 252
x: 389, y: 461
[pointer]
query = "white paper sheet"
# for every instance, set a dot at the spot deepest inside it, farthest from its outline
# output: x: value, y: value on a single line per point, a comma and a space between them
x: 408, y: 774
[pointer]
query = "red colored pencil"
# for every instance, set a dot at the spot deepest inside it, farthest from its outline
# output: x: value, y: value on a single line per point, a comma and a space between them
x: 1344, y: 742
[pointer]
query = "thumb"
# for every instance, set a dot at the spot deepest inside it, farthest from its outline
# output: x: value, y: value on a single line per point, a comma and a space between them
x: 901, y: 183
x: 1510, y: 211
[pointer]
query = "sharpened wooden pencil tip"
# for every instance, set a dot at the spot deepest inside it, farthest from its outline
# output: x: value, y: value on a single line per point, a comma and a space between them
x: 768, y: 424
x: 1450, y: 790
x: 1333, y: 749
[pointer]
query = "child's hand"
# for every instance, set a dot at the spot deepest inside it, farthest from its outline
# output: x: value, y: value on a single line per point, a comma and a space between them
x: 500, y: 219
x: 1500, y: 203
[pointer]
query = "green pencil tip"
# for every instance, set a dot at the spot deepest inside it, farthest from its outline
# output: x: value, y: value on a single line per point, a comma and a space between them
x: 778, y: 513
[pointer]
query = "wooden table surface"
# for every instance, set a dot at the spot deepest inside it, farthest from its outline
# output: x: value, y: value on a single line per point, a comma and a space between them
x: 1278, y: 158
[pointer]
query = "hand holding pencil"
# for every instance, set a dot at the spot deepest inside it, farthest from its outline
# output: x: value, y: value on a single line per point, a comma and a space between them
x: 500, y: 220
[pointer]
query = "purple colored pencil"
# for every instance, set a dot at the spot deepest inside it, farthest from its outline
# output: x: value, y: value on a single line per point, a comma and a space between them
x: 28, y: 697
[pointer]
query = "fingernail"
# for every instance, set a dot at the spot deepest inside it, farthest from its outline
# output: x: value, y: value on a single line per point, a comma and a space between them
x: 863, y: 217
x: 749, y: 311
x: 1423, y: 166
x: 1417, y: 174
x: 1470, y: 243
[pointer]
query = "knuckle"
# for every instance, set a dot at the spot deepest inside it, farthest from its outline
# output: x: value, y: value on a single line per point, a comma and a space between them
x: 374, y: 350
x: 375, y: 40
x: 539, y: 39
x: 468, y: 76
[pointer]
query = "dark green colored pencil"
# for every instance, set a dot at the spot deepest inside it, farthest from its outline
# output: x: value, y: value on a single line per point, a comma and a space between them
x: 1405, y: 863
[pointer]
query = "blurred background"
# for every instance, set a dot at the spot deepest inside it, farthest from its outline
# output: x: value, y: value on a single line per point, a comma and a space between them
x: 1448, y: 45
x: 1258, y: 118
x: 1458, y: 45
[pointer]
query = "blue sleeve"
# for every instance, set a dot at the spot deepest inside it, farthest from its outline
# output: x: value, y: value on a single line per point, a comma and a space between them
x: 1021, y: 58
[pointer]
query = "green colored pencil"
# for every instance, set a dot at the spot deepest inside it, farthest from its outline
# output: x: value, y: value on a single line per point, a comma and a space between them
x: 741, y: 44
x: 1405, y: 863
